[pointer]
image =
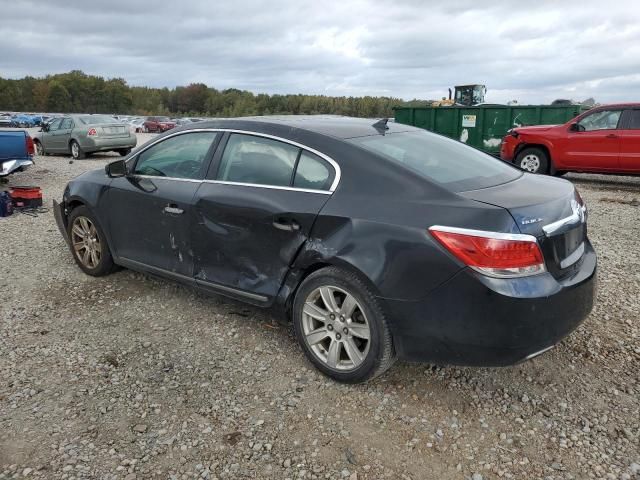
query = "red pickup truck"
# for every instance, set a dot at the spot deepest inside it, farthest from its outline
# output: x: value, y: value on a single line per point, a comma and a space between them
x: 605, y: 139
x: 158, y: 124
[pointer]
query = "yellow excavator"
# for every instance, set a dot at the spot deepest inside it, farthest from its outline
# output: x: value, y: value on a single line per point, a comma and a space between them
x: 465, y: 95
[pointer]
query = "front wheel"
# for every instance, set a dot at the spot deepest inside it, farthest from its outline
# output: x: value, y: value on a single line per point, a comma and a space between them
x: 39, y: 149
x: 76, y: 151
x: 88, y: 243
x: 341, y: 326
x: 533, y: 160
x: 123, y: 152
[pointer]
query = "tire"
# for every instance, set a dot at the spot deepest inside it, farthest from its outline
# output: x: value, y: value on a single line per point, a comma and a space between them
x: 123, y: 152
x: 76, y: 151
x: 82, y: 221
x: 39, y: 148
x: 533, y: 160
x: 329, y: 343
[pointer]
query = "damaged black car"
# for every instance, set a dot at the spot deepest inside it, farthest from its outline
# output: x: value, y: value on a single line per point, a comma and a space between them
x: 377, y: 240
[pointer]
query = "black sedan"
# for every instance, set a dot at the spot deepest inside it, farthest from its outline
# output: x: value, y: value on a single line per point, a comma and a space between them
x: 377, y: 240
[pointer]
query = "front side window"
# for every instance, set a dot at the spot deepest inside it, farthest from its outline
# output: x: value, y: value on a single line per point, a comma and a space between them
x: 257, y: 160
x: 55, y: 125
x: 447, y: 162
x: 66, y: 124
x: 182, y: 156
x: 602, y: 120
x: 313, y: 173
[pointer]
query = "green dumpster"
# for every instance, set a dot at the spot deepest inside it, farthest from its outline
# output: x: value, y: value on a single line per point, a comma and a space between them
x: 484, y: 126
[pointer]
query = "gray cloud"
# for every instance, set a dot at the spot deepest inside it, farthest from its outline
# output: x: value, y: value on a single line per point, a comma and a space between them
x: 533, y: 53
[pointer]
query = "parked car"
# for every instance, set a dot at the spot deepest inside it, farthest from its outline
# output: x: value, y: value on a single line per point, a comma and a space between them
x: 605, y: 139
x: 16, y: 151
x: 23, y: 121
x: 6, y: 122
x: 158, y: 124
x: 377, y: 241
x: 137, y: 125
x: 181, y: 121
x: 80, y: 135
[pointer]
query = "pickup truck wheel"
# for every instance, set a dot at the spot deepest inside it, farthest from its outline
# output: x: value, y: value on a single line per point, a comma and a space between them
x: 39, y: 148
x: 88, y: 243
x: 76, y: 151
x: 533, y: 160
x: 341, y: 326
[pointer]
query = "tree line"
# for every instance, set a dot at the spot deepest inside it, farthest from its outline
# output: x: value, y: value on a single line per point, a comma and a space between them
x: 78, y: 92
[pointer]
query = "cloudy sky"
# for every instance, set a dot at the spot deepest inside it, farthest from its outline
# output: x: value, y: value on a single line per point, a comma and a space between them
x: 410, y: 49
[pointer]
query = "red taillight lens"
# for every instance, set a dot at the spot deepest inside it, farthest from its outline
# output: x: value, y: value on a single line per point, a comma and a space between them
x: 92, y: 132
x: 31, y: 149
x: 491, y: 253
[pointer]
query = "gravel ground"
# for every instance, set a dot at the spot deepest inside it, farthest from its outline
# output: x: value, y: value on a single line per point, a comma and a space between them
x: 128, y: 377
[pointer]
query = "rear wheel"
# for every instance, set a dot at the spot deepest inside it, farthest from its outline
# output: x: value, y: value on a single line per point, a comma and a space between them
x: 76, y: 151
x: 88, y: 243
x: 533, y: 160
x: 341, y: 326
x: 123, y: 152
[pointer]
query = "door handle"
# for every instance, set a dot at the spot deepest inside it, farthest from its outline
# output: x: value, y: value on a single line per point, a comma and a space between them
x: 612, y: 135
x: 286, y: 225
x: 173, y: 208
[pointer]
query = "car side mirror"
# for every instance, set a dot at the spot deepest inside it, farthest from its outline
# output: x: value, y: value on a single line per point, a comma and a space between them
x: 44, y: 128
x: 116, y: 169
x: 576, y: 127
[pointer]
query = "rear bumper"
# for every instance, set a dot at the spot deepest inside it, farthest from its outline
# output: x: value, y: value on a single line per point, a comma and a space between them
x: 8, y: 167
x: 103, y: 144
x: 479, y: 321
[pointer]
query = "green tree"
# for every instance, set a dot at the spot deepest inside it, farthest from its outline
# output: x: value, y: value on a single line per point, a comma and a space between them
x: 59, y: 99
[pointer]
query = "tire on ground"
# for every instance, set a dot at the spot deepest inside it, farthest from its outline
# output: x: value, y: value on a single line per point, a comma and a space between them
x: 381, y: 354
x: 105, y: 265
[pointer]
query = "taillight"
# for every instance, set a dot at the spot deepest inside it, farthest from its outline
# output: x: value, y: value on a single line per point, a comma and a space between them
x: 92, y: 132
x: 490, y: 253
x: 31, y: 149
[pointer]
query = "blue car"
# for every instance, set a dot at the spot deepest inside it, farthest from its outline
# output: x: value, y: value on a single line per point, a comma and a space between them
x: 23, y: 121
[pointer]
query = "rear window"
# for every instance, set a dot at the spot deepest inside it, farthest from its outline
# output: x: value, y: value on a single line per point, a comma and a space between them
x: 447, y: 162
x: 97, y: 119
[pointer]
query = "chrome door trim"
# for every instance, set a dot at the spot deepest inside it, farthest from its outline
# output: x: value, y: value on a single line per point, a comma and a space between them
x: 191, y: 280
x: 234, y: 291
x: 574, y: 257
x: 331, y: 161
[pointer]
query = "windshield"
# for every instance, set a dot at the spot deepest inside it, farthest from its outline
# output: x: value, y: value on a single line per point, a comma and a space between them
x: 447, y: 162
x: 97, y: 119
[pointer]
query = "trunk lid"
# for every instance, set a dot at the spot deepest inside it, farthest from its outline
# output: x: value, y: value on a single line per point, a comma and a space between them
x: 112, y: 130
x: 547, y: 208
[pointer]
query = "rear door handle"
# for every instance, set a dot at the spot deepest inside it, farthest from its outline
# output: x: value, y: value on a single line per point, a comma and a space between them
x: 173, y: 209
x: 612, y: 135
x: 287, y: 225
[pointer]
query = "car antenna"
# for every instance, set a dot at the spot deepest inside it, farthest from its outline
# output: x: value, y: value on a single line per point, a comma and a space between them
x: 381, y: 124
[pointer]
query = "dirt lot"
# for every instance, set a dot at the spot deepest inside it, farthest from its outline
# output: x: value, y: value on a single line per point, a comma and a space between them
x: 129, y: 377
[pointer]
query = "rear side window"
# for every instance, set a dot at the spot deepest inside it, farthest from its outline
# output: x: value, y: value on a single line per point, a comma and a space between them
x: 66, y: 124
x: 258, y: 160
x: 447, y: 162
x: 633, y: 120
x: 313, y: 173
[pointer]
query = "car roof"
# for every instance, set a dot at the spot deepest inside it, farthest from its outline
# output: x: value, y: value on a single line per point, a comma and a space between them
x: 617, y: 105
x: 330, y: 125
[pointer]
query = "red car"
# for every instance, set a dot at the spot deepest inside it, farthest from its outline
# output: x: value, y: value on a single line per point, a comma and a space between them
x: 604, y: 139
x: 158, y: 124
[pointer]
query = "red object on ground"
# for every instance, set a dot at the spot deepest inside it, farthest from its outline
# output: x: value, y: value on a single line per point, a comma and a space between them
x: 27, y: 196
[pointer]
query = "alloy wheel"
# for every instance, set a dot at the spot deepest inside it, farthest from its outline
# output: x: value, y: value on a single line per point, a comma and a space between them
x: 86, y: 243
x: 530, y: 163
x: 75, y: 150
x: 39, y: 149
x: 336, y: 328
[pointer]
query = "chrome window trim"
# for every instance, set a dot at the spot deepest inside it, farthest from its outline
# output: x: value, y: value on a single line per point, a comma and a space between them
x: 517, y: 237
x: 574, y: 257
x: 331, y: 161
x: 175, y: 179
